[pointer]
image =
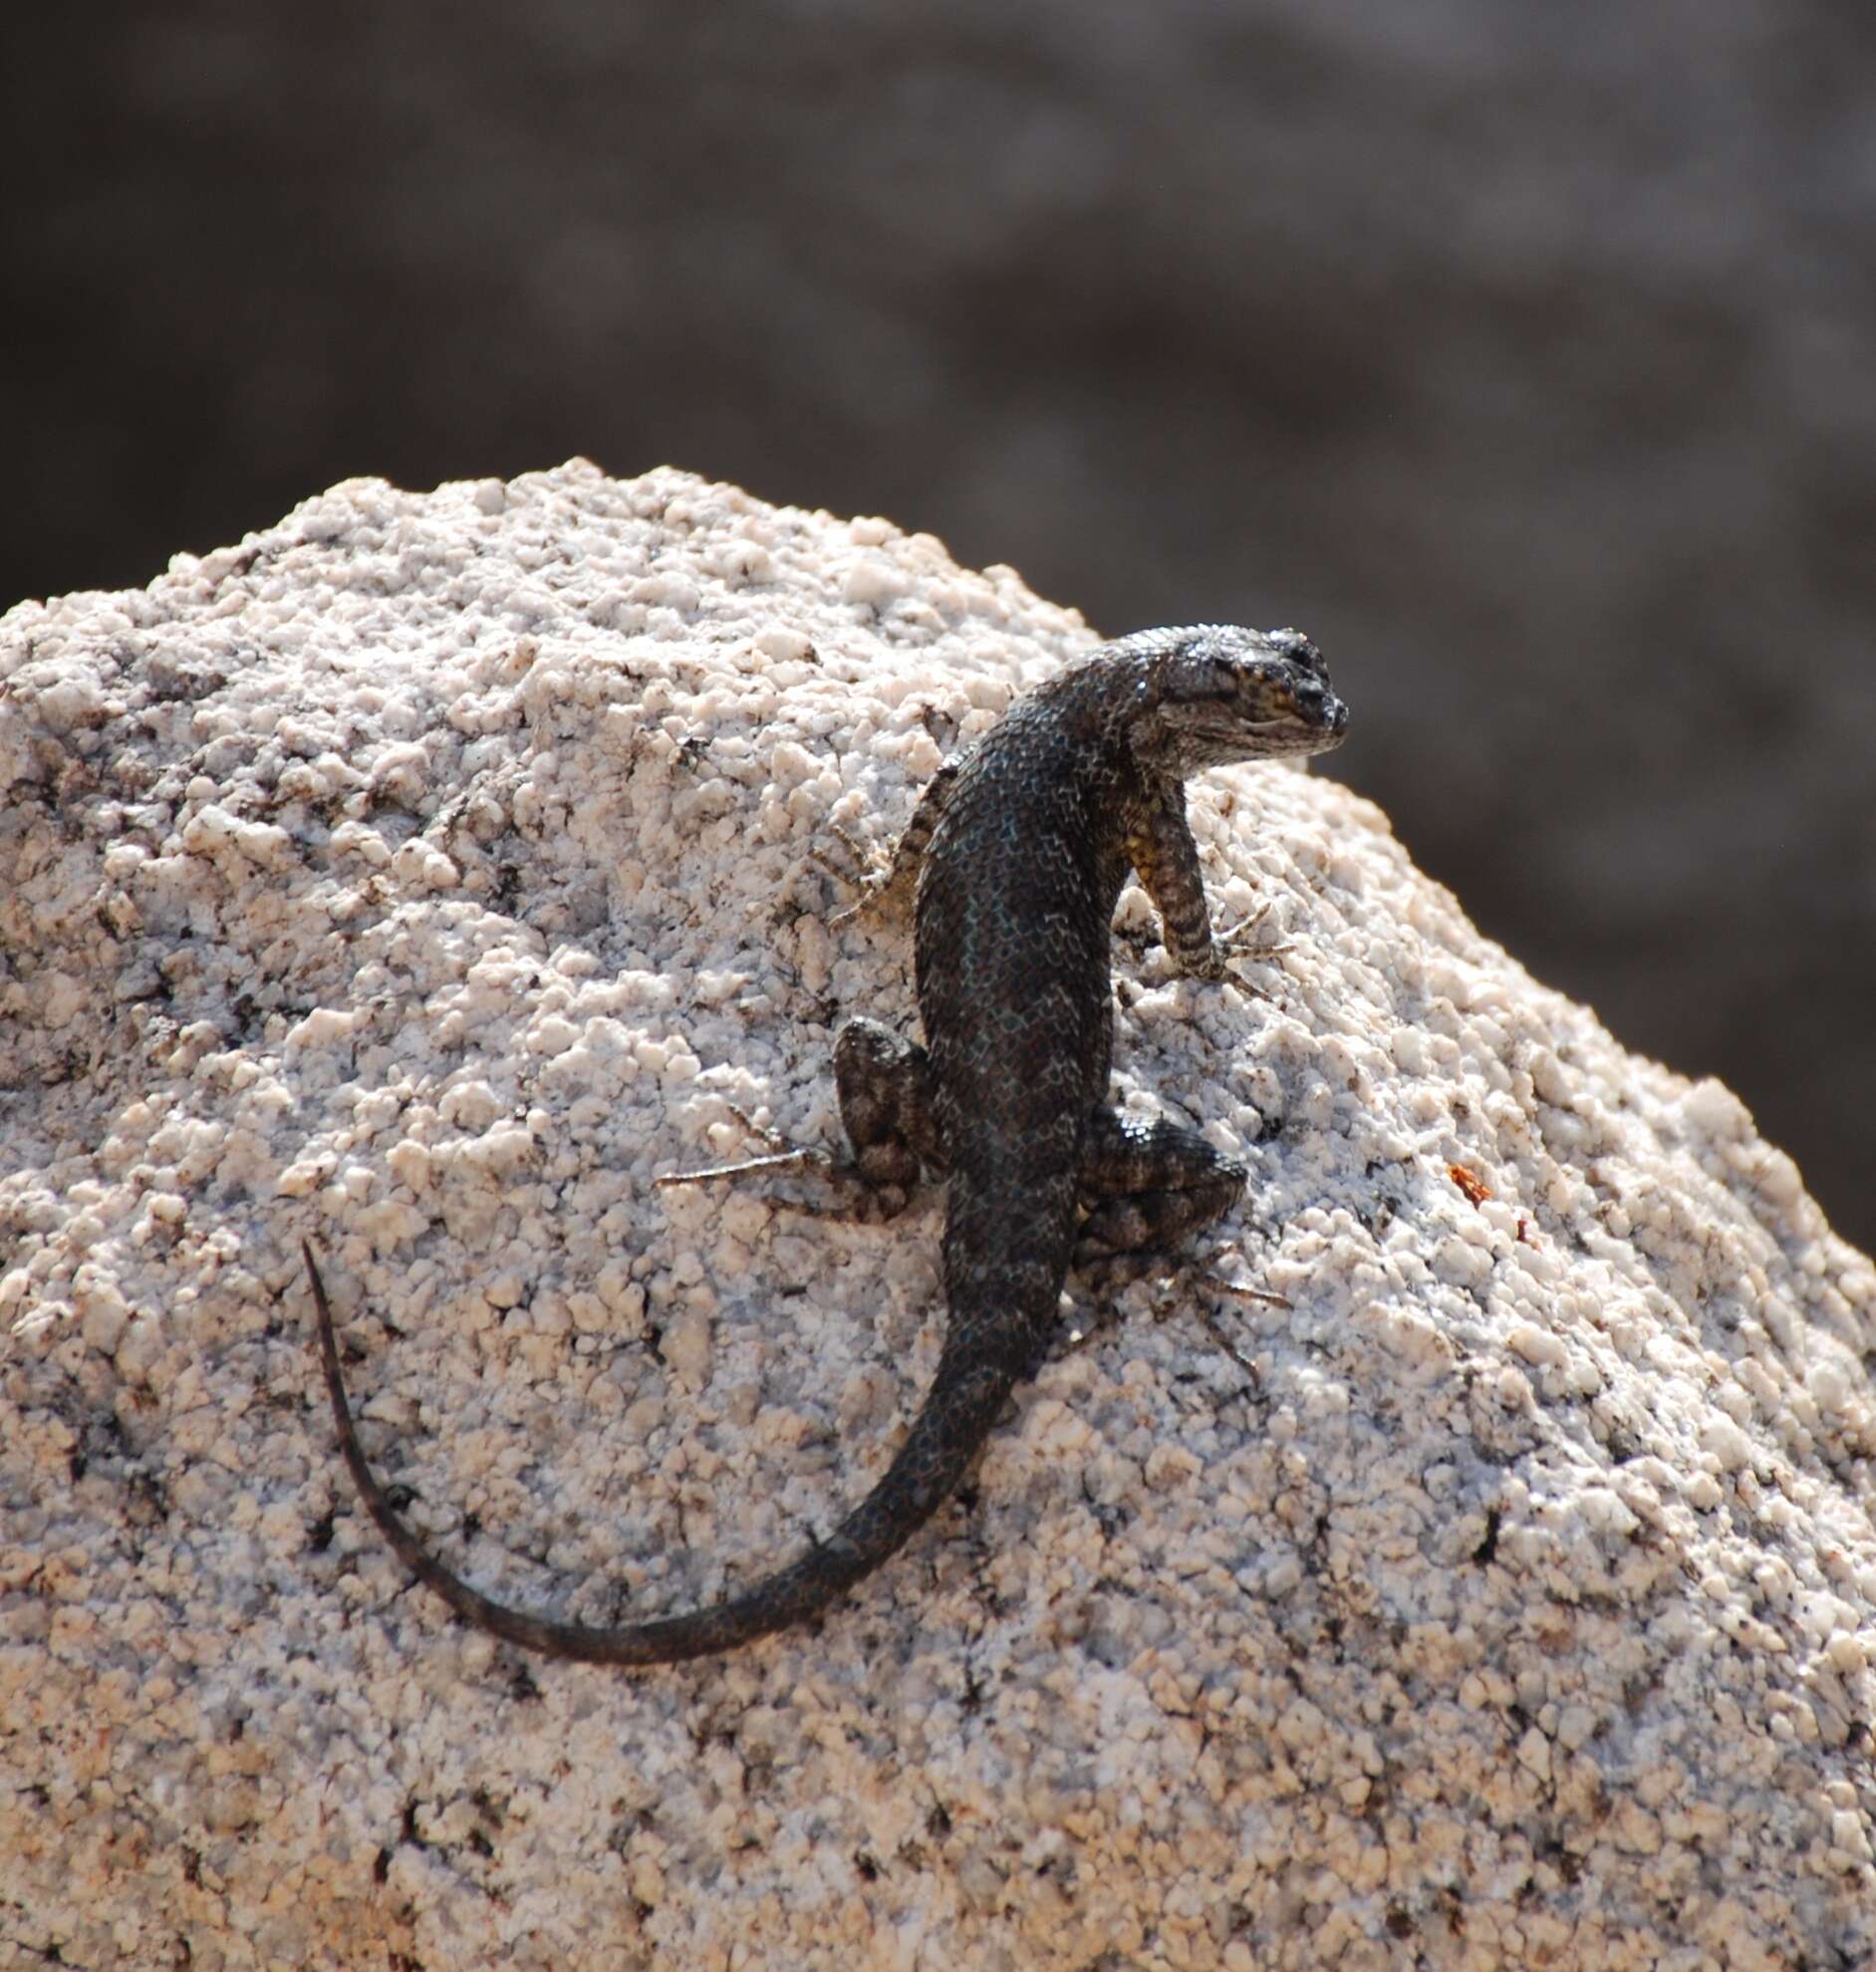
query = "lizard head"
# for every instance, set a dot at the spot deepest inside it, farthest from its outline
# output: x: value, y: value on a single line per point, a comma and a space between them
x: 1217, y: 694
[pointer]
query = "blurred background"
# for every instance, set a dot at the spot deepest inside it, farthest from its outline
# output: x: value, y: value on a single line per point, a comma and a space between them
x: 1524, y: 355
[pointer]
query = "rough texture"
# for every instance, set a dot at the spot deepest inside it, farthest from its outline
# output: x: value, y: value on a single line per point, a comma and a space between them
x: 432, y: 871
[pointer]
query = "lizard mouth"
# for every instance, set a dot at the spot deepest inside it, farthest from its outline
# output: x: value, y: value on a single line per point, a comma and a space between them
x: 1274, y: 723
x: 1315, y: 731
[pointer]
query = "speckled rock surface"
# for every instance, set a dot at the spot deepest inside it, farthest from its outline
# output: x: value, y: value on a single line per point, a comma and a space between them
x: 432, y: 871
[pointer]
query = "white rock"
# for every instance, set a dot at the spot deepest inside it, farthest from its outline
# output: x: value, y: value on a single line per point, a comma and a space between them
x: 1507, y: 1596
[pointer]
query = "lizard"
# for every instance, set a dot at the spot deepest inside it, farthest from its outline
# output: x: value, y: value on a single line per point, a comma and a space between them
x: 1015, y: 855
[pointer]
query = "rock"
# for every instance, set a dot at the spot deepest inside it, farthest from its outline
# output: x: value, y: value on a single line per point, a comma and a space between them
x: 432, y: 871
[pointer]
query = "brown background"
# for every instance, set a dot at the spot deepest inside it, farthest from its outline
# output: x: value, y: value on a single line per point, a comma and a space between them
x: 1525, y: 355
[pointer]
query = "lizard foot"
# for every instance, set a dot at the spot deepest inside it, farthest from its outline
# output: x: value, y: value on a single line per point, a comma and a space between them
x: 780, y: 1156
x: 871, y: 874
x: 1239, y: 939
x: 861, y: 1196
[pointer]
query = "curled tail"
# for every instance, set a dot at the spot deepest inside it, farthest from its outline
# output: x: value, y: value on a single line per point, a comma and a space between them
x: 966, y: 1394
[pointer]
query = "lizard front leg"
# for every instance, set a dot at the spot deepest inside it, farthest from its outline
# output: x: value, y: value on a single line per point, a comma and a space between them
x: 1166, y: 857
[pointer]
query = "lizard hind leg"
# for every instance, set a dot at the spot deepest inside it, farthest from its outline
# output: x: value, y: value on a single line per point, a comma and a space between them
x: 887, y: 1105
x: 1148, y: 1184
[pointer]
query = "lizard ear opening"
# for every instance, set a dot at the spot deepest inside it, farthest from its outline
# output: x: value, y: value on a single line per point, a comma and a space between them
x: 1182, y: 734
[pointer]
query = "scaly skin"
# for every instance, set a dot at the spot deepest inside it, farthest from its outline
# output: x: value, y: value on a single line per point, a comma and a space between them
x: 1020, y: 851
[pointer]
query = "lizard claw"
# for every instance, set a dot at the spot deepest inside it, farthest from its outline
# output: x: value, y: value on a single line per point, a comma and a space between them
x: 868, y: 859
x: 1238, y: 936
x: 779, y: 1160
x: 1244, y: 982
x: 870, y: 900
x: 779, y: 1156
x: 1238, y: 940
x: 1211, y: 1280
x: 862, y: 1198
x: 876, y: 877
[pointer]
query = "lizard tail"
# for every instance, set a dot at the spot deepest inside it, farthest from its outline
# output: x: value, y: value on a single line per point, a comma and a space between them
x: 967, y: 1392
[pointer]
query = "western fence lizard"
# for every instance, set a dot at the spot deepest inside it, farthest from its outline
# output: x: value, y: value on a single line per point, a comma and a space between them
x: 1018, y: 851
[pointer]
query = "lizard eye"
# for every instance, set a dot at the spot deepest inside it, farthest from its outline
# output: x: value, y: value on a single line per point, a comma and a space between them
x: 1299, y: 648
